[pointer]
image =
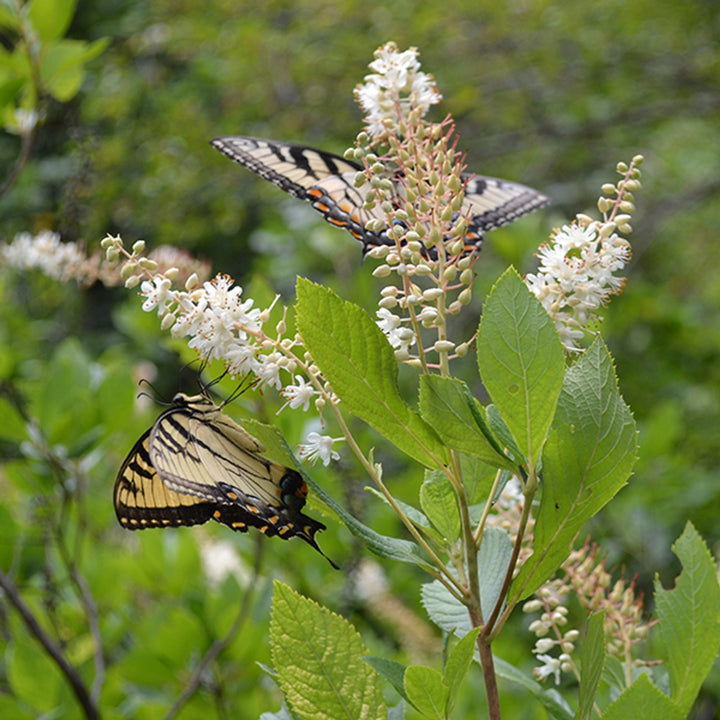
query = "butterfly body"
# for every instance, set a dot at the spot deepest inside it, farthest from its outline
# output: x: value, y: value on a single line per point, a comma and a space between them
x: 197, y: 464
x: 327, y: 181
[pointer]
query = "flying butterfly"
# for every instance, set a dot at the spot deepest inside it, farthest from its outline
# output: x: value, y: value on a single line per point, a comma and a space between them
x: 197, y: 464
x: 327, y: 181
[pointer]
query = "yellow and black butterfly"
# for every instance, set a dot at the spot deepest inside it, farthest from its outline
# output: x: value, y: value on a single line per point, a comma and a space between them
x: 327, y: 181
x: 197, y: 464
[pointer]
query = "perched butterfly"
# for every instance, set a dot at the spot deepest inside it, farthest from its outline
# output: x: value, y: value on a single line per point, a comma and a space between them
x: 327, y: 181
x: 197, y: 464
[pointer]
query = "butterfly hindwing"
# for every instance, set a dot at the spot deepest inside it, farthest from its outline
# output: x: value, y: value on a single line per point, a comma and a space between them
x: 327, y: 181
x: 196, y: 464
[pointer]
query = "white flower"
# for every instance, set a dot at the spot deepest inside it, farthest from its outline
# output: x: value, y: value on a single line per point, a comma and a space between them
x: 575, y: 277
x: 157, y: 293
x: 299, y: 394
x: 551, y: 667
x: 396, y: 85
x: 318, y: 446
x: 401, y: 338
x: 44, y: 252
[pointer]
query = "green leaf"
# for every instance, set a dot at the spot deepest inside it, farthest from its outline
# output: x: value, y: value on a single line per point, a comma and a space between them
x: 592, y: 659
x: 62, y: 66
x: 382, y: 545
x: 521, y: 362
x: 450, y: 614
x: 392, y: 671
x: 643, y: 700
x: 556, y: 706
x: 26, y: 662
x: 359, y: 363
x: 457, y: 665
x: 690, y: 619
x: 448, y: 406
x: 51, y: 18
x: 13, y: 425
x: 588, y: 457
x: 318, y: 657
x: 426, y: 691
x: 439, y: 503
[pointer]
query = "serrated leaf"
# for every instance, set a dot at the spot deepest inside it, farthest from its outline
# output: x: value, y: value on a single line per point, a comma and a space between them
x: 554, y: 703
x: 426, y: 691
x: 643, y: 700
x: 447, y: 405
x: 450, y: 614
x: 439, y: 503
x: 589, y: 456
x: 359, y: 363
x: 457, y: 665
x: 51, y: 18
x: 521, y: 362
x: 318, y: 657
x: 592, y: 660
x: 690, y: 619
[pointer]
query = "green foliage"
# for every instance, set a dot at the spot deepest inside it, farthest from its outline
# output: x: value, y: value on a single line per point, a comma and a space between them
x: 589, y: 456
x: 130, y: 154
x: 318, y: 658
x: 521, y: 362
x: 690, y: 619
x: 357, y: 359
x: 592, y: 662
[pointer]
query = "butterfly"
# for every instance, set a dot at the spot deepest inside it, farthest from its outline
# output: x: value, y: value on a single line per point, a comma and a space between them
x: 197, y: 464
x: 327, y: 181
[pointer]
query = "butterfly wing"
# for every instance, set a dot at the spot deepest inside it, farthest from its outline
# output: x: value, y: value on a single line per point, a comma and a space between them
x: 322, y: 178
x: 198, y: 451
x: 327, y: 181
x: 142, y: 500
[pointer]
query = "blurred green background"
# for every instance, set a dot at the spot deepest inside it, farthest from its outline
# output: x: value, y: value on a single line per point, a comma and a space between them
x: 548, y: 94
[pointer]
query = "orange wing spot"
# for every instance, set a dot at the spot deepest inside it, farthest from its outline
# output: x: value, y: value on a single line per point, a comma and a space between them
x: 232, y: 496
x: 263, y: 529
x: 274, y: 519
x: 336, y: 223
x: 314, y: 192
x: 238, y: 524
x: 253, y: 509
x: 216, y: 514
x: 284, y: 530
x: 322, y: 207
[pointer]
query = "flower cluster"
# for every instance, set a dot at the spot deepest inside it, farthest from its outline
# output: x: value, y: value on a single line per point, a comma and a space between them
x: 577, y: 273
x: 416, y: 193
x: 222, y: 325
x: 69, y: 260
x: 394, y: 88
x: 584, y: 574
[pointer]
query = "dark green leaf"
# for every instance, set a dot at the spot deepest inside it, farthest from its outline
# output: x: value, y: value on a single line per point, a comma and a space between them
x: 592, y: 661
x: 643, y: 700
x: 521, y: 362
x: 447, y: 406
x: 690, y: 619
x: 589, y: 455
x: 359, y: 363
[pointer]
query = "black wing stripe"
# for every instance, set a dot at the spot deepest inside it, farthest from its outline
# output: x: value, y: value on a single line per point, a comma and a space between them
x: 326, y: 180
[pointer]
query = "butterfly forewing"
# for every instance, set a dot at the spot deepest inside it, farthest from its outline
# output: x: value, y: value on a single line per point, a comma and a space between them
x: 143, y: 500
x: 327, y: 181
